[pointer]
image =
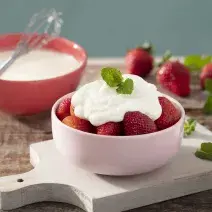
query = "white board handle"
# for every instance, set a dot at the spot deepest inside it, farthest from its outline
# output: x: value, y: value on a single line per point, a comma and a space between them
x: 18, y: 188
x: 31, y: 187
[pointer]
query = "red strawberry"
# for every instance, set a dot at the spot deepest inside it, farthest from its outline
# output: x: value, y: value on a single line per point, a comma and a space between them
x: 175, y: 77
x: 170, y: 114
x: 206, y: 73
x: 139, y: 61
x: 109, y: 128
x: 63, y: 109
x: 77, y: 123
x: 136, y: 123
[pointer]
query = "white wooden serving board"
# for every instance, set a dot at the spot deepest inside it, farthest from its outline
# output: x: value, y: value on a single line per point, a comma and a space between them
x: 53, y: 180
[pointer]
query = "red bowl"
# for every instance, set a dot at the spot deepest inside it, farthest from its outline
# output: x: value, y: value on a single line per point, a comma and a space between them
x: 30, y: 97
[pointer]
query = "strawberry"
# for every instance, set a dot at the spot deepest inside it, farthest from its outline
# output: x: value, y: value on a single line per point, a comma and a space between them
x: 109, y: 128
x: 170, y: 114
x: 139, y: 61
x: 63, y: 109
x: 136, y: 123
x: 77, y: 123
x: 206, y: 73
x: 175, y: 77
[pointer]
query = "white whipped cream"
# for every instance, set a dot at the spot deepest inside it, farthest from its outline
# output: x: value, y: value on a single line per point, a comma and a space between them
x: 38, y: 65
x: 99, y: 103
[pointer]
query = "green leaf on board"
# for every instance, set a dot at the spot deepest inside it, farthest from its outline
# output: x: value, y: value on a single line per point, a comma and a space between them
x: 205, y: 151
x: 189, y: 126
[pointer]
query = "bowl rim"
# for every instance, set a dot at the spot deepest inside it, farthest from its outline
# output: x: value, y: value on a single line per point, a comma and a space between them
x: 61, y: 38
x: 157, y: 133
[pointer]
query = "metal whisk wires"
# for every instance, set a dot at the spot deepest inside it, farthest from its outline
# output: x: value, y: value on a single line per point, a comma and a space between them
x: 42, y: 27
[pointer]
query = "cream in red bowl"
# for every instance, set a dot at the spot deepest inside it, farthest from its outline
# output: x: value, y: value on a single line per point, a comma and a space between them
x: 35, y: 81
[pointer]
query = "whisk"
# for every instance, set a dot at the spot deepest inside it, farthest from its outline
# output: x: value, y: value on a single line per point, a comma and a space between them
x: 42, y: 27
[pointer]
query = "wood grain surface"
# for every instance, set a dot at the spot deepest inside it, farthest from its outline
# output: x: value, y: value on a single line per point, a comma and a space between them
x: 18, y: 132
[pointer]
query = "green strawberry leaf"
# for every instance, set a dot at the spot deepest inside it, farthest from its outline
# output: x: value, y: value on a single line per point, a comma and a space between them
x: 205, y: 151
x: 167, y: 55
x: 126, y: 87
x: 196, y: 62
x: 148, y: 47
x: 111, y: 76
x: 189, y: 126
x: 208, y: 85
x: 207, y: 109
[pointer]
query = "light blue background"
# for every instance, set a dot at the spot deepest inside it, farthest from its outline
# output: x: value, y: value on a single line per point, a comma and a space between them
x: 109, y: 27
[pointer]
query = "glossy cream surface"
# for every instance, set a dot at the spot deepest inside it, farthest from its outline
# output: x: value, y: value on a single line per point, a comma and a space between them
x: 38, y: 65
x: 99, y: 103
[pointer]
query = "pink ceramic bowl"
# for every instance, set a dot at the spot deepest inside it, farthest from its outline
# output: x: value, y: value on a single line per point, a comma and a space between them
x: 117, y: 155
x: 30, y: 97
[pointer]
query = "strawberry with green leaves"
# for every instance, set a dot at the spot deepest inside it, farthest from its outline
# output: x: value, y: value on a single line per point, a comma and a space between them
x: 139, y: 61
x: 173, y: 76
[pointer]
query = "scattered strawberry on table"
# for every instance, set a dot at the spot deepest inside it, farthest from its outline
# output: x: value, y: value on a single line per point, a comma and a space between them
x: 173, y: 76
x: 139, y: 61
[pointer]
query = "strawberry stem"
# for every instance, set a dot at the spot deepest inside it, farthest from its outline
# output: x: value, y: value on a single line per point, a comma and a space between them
x: 148, y: 47
x: 167, y: 55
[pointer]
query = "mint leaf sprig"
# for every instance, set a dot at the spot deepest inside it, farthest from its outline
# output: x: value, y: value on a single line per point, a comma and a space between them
x: 189, y: 127
x: 205, y: 151
x: 207, y: 109
x: 113, y: 77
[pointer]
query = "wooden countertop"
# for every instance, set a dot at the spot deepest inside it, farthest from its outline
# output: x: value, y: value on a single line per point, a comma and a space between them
x: 17, y: 133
